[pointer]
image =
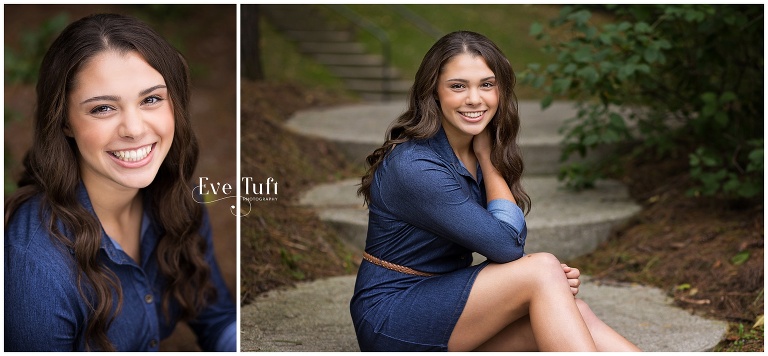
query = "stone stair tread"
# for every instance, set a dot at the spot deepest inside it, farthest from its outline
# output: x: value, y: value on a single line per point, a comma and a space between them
x: 378, y: 85
x: 565, y: 223
x: 383, y: 97
x: 349, y: 59
x: 359, y: 129
x: 331, y: 47
x: 364, y: 72
x: 319, y: 36
x: 314, y: 317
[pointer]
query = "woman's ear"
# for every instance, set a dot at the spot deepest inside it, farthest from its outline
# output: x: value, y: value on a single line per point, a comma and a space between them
x: 67, y: 130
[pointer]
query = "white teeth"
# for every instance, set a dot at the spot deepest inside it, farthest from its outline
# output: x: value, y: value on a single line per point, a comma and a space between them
x: 133, y: 155
x: 472, y: 114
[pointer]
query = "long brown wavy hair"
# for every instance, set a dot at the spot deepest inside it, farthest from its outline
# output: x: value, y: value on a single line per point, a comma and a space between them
x: 51, y: 170
x: 422, y: 119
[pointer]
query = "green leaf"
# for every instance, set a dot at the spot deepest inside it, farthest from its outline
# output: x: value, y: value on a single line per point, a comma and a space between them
x: 617, y: 121
x: 740, y: 258
x: 651, y: 54
x: 721, y: 118
x: 728, y: 97
x: 606, y: 39
x: 546, y: 102
x: 560, y: 85
x: 642, y: 27
x: 536, y: 29
x: 589, y: 73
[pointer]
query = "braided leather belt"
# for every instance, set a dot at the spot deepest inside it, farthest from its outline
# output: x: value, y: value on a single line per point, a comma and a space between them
x: 395, y: 267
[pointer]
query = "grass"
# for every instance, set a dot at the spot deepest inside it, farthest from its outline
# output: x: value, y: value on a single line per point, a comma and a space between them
x: 283, y: 63
x: 506, y: 25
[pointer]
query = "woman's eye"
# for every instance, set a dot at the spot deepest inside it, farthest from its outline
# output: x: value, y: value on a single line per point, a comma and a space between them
x: 152, y: 100
x: 101, y: 109
x: 457, y: 86
x: 488, y: 85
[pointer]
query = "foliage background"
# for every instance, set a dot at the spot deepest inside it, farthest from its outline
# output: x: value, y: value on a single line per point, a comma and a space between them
x: 206, y: 35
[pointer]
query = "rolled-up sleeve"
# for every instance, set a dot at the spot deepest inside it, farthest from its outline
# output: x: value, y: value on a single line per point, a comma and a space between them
x: 425, y: 192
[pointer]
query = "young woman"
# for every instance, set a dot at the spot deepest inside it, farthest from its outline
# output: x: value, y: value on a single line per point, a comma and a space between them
x: 105, y: 248
x: 446, y: 183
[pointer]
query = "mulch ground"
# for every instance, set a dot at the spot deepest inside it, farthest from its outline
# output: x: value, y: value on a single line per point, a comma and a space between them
x: 706, y: 252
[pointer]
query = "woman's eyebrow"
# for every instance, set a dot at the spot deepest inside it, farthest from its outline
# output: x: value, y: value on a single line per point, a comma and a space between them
x: 467, y: 81
x: 117, y: 98
x: 149, y: 90
x: 101, y: 97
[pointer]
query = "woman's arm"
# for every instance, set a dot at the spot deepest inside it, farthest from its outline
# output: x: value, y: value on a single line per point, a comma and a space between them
x: 421, y: 189
x: 495, y: 185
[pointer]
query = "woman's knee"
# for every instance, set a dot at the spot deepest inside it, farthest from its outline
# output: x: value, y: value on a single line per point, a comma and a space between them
x: 546, y: 265
x: 586, y: 312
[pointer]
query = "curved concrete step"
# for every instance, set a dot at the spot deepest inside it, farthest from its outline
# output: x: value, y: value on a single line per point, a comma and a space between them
x: 331, y: 47
x: 365, y: 72
x: 561, y: 222
x: 319, y: 36
x: 360, y: 129
x: 314, y: 317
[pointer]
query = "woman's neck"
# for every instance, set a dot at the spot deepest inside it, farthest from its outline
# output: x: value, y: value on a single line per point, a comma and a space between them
x: 462, y: 148
x: 119, y: 210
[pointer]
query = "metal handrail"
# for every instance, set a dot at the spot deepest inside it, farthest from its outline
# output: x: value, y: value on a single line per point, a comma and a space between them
x: 418, y: 21
x: 379, y: 34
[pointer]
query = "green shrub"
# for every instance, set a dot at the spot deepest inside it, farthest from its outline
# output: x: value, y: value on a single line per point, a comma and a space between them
x: 21, y: 66
x: 690, y: 75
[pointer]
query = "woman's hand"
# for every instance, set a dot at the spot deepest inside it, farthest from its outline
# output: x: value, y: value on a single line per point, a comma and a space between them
x: 573, y: 278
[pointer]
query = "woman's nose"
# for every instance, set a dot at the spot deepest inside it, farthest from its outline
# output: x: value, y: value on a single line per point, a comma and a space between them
x: 132, y: 124
x: 473, y: 97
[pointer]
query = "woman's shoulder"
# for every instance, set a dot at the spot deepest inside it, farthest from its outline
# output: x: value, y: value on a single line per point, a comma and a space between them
x: 27, y: 234
x: 414, y: 165
x: 410, y: 153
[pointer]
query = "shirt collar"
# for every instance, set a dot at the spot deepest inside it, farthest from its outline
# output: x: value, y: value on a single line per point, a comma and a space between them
x: 440, y: 144
x: 110, y: 246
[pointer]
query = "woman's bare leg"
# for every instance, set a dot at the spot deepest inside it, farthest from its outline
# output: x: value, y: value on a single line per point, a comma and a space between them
x: 534, y: 285
x: 606, y: 339
x: 519, y: 335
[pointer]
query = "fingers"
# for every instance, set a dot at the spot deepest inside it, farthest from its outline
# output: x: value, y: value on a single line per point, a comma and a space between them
x: 572, y: 274
x: 574, y: 284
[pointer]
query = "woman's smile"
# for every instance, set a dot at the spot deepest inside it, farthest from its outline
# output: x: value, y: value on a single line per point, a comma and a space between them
x: 133, y: 158
x: 473, y: 116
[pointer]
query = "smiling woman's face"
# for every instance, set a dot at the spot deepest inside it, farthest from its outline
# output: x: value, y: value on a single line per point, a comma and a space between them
x: 121, y: 117
x: 468, y: 95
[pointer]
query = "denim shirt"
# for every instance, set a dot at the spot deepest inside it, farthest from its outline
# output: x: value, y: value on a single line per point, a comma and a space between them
x: 44, y: 310
x: 427, y: 212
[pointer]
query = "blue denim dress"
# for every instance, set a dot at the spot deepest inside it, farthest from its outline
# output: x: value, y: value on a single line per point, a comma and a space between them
x: 44, y: 310
x: 427, y: 213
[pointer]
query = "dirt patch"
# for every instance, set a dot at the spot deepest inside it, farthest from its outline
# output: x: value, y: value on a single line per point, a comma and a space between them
x: 707, y: 253
x: 282, y: 243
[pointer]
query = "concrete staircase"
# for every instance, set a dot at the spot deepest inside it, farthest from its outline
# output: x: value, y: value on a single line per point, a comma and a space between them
x: 567, y: 224
x: 333, y: 44
x: 314, y: 316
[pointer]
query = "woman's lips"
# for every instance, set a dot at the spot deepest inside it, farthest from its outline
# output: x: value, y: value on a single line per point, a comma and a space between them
x: 133, y: 158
